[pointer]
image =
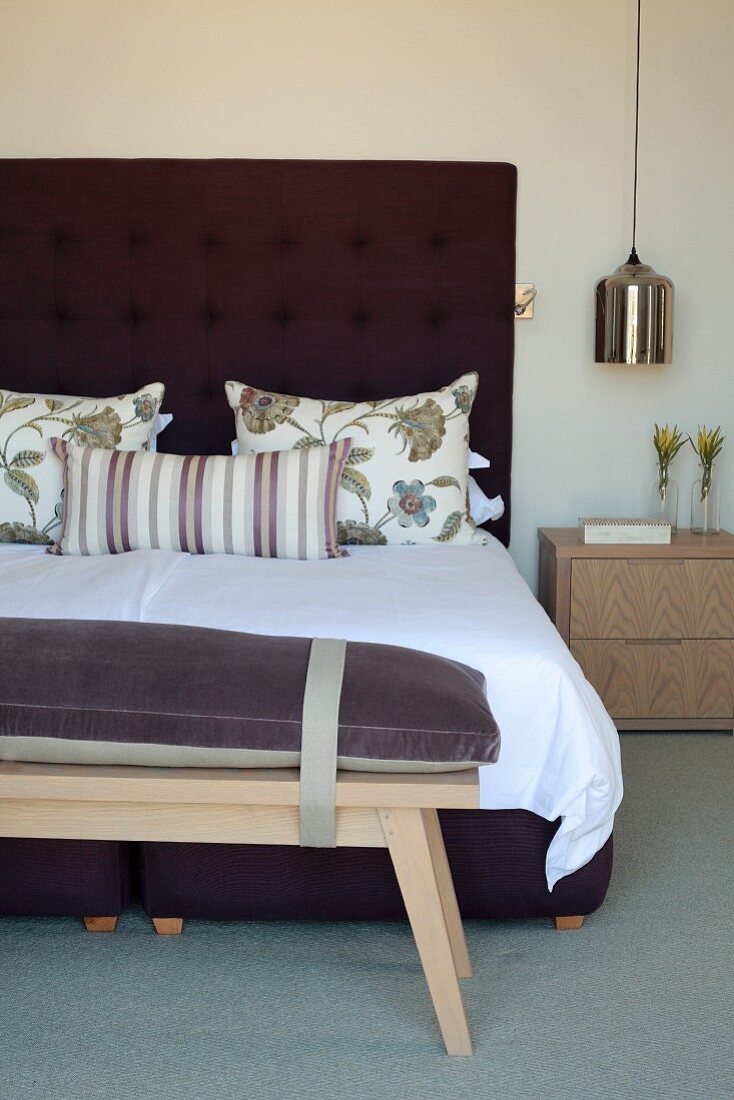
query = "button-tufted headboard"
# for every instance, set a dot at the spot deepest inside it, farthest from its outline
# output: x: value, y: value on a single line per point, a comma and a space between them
x: 343, y: 279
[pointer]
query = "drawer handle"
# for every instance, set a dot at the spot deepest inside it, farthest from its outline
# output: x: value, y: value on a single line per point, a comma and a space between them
x: 656, y: 561
x: 653, y: 641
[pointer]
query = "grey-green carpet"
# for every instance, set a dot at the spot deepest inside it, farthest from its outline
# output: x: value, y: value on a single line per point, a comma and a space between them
x: 636, y: 1004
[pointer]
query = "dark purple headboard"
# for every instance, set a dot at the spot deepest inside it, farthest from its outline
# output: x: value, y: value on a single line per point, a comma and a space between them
x: 353, y: 279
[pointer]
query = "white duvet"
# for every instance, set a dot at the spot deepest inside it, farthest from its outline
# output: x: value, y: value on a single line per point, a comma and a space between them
x: 560, y: 750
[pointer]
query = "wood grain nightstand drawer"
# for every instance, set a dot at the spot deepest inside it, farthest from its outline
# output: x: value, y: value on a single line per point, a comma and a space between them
x: 677, y: 679
x: 652, y: 598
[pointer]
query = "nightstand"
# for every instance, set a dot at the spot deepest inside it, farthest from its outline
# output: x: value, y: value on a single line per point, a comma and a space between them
x: 651, y: 626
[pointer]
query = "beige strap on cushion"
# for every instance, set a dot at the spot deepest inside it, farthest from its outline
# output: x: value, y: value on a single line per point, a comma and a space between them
x: 321, y: 698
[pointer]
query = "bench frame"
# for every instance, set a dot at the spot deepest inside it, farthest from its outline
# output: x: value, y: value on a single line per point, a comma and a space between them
x: 261, y: 806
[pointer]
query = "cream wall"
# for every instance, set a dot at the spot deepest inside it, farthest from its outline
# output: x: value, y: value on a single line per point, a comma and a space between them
x: 547, y: 84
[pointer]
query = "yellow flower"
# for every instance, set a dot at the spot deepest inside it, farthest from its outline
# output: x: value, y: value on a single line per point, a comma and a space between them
x: 709, y: 446
x: 667, y: 443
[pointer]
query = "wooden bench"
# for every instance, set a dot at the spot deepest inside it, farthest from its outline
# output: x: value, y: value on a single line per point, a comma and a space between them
x: 394, y: 811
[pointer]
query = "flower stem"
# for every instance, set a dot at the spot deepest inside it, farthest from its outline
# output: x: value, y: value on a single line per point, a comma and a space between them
x: 706, y: 480
x: 663, y: 480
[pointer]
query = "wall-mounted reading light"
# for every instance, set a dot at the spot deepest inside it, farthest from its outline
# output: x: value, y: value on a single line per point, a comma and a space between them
x: 524, y: 297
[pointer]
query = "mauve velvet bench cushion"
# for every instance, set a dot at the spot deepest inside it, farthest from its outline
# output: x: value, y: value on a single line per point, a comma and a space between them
x: 150, y: 694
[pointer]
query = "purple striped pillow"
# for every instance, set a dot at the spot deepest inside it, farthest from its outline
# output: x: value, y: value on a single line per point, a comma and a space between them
x: 277, y: 505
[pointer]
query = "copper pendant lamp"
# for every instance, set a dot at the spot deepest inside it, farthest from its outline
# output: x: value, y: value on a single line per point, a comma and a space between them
x: 634, y: 305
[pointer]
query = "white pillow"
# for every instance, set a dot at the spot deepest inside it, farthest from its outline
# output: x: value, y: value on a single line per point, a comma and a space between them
x: 31, y: 503
x: 406, y: 476
x: 477, y: 461
x: 161, y: 423
x: 483, y: 507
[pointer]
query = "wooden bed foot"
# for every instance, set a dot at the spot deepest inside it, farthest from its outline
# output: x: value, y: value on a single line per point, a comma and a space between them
x: 168, y: 926
x: 100, y: 924
x: 568, y: 924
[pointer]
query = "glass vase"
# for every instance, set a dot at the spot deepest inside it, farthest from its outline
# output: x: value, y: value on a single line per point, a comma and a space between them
x: 706, y: 504
x: 664, y: 500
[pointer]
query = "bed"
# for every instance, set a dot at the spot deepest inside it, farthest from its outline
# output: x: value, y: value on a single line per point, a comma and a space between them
x: 333, y: 279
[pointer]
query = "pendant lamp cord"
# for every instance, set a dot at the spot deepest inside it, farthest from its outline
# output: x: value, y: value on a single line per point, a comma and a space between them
x: 634, y: 258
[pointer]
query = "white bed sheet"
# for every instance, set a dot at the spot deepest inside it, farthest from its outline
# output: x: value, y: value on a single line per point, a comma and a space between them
x: 560, y: 750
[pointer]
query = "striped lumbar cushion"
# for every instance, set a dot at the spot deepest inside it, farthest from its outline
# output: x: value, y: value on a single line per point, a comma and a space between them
x: 277, y: 505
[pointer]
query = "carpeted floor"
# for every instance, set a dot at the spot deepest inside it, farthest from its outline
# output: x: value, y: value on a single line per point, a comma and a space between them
x: 637, y: 1004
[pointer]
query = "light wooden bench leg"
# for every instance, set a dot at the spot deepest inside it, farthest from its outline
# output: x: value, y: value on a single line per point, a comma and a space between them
x: 410, y: 850
x: 100, y: 924
x: 168, y: 926
x: 451, y: 912
x: 568, y: 924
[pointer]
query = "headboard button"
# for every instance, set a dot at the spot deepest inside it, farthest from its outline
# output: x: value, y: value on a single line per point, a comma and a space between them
x: 361, y: 317
x: 439, y: 240
x: 437, y: 317
x: 283, y: 316
x: 359, y: 243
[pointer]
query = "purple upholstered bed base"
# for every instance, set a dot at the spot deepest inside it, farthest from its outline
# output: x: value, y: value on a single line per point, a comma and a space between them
x: 64, y: 878
x: 497, y: 858
x: 351, y: 279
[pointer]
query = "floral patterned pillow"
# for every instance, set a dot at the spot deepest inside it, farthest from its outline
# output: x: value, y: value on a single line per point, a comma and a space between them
x: 406, y: 477
x: 31, y: 504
